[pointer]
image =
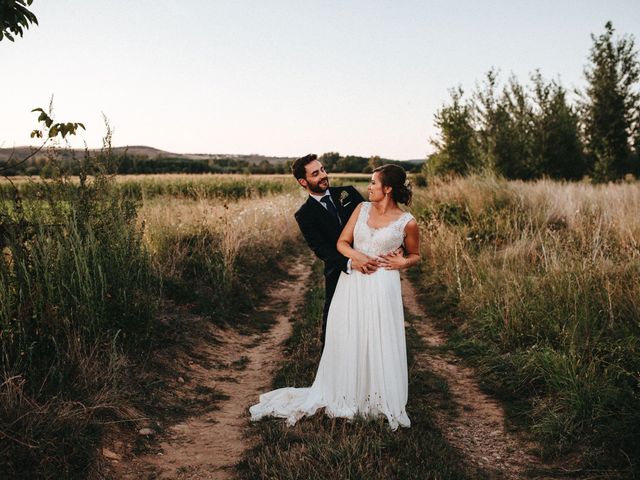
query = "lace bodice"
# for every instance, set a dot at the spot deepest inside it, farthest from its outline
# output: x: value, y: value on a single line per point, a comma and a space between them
x: 377, y: 241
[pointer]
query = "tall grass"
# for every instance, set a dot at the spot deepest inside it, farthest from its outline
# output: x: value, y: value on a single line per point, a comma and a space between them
x: 228, y: 247
x: 84, y: 267
x: 231, y: 187
x: 251, y: 228
x: 76, y: 289
x: 542, y: 282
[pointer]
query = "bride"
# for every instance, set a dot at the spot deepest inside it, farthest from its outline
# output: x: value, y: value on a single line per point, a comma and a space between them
x: 363, y: 369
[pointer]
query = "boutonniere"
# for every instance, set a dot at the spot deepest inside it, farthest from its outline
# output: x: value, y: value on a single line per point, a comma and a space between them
x: 343, y: 196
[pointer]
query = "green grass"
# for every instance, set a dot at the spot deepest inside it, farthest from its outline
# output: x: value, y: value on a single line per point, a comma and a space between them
x: 320, y: 447
x: 74, y: 297
x: 79, y: 292
x: 230, y: 187
x: 206, y: 186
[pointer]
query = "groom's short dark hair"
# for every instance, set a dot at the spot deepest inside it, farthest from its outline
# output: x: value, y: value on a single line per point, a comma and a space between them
x: 298, y: 166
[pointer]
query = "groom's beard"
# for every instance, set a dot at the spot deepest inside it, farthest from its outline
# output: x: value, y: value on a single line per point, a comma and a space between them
x: 320, y: 187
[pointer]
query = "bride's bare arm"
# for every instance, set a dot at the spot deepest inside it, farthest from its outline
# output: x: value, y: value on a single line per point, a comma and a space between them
x: 359, y: 261
x: 396, y: 260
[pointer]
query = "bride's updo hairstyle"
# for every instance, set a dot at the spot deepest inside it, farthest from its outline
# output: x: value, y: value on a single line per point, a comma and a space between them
x: 395, y: 177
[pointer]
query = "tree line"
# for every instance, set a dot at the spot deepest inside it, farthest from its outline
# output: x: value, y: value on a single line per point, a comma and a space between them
x: 126, y: 163
x: 533, y: 131
x: 332, y: 161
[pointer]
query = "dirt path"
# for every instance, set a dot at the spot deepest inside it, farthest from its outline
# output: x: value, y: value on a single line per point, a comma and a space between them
x: 240, y: 367
x: 478, y: 430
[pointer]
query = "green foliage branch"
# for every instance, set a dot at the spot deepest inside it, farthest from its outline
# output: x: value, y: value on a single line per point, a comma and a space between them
x: 457, y: 145
x: 15, y: 17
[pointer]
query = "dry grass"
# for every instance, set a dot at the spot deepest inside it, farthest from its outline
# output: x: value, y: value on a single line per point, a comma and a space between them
x: 544, y: 280
x: 254, y: 227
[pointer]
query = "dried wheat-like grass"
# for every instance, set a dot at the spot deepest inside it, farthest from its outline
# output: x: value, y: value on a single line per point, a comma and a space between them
x: 254, y: 227
x: 545, y: 277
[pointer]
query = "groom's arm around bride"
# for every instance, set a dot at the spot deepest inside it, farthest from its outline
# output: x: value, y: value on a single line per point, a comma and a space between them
x: 321, y: 219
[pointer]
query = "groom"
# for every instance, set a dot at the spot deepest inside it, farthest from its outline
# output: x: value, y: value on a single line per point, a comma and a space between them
x: 321, y: 219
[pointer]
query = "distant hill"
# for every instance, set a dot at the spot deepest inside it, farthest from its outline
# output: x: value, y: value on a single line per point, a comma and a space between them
x: 154, y: 153
x: 20, y: 153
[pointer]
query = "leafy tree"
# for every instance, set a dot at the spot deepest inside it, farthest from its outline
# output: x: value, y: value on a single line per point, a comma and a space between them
x: 457, y: 144
x: 329, y: 160
x: 487, y: 116
x: 609, y: 104
x: 374, y: 162
x: 351, y: 163
x: 521, y: 133
x: 503, y: 123
x: 636, y: 143
x: 556, y: 145
x: 15, y: 17
x: 513, y: 129
x: 527, y: 133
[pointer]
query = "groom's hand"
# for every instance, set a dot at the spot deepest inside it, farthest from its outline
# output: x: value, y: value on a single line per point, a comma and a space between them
x: 364, y: 264
x: 393, y: 261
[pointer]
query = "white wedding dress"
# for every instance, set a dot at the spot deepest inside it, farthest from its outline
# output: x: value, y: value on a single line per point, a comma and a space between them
x: 363, y: 369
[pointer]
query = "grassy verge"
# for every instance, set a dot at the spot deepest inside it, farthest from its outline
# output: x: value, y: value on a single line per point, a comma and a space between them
x: 162, y: 389
x: 77, y: 294
x: 216, y: 260
x: 93, y: 285
x: 537, y: 285
x: 320, y: 447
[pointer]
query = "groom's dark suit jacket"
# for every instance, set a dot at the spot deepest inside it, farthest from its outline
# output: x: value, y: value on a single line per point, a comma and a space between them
x: 321, y: 231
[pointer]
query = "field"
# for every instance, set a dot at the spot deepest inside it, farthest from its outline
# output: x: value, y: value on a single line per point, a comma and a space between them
x: 538, y: 285
x: 534, y: 285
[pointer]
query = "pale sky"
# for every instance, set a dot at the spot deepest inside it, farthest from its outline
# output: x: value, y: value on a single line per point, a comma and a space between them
x: 283, y: 77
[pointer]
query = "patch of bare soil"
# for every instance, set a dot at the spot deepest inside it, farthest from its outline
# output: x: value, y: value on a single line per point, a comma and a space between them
x: 238, y: 368
x: 478, y: 427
